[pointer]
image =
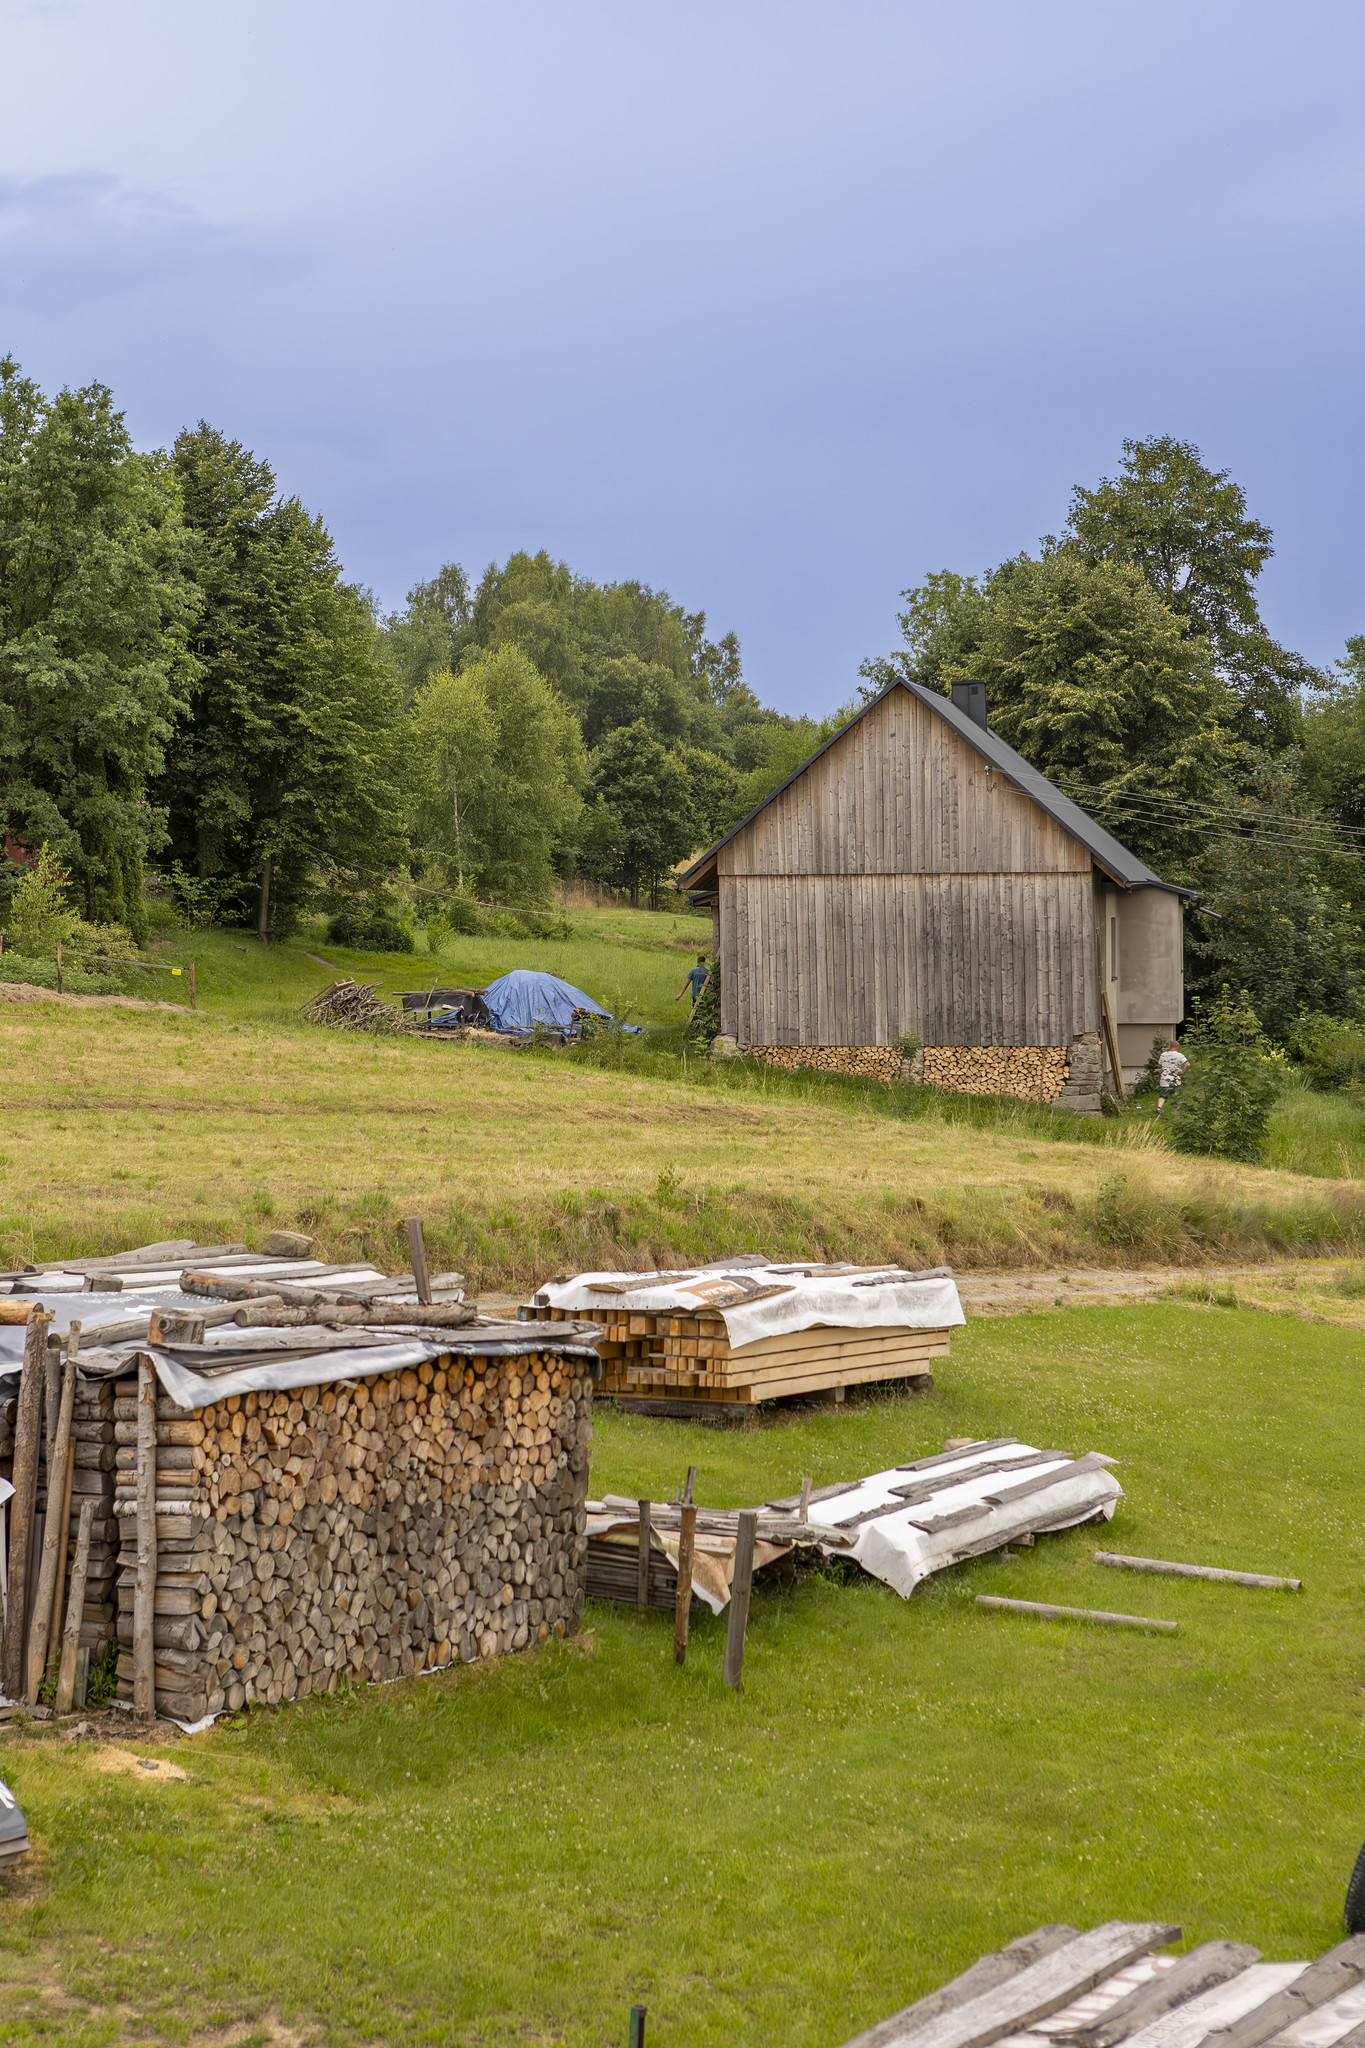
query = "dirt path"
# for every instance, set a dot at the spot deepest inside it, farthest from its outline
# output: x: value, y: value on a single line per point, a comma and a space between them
x: 29, y: 992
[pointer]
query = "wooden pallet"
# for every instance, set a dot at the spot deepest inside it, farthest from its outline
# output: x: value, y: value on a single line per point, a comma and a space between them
x: 666, y: 1356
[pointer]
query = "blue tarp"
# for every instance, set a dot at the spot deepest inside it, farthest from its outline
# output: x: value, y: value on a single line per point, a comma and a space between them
x: 524, y: 998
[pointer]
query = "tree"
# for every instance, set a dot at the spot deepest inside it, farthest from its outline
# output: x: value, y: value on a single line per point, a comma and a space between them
x: 291, y: 754
x: 94, y: 617
x: 712, y: 793
x: 502, y: 767
x: 1185, y: 527
x: 639, y: 823
x: 1334, y: 738
x: 421, y: 639
x: 1234, y: 1078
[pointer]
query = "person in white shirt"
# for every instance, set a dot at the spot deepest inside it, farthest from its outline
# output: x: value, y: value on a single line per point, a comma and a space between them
x: 1171, y: 1071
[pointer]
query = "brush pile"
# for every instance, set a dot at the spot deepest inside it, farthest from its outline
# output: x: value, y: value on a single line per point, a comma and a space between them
x: 351, y: 1005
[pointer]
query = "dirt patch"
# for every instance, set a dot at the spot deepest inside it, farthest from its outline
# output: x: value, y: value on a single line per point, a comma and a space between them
x: 124, y: 1762
x: 28, y: 992
x: 1012, y: 1294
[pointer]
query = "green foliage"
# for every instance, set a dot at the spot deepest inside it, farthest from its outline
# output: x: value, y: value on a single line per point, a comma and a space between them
x: 501, y: 765
x: 1234, y: 1078
x: 94, y: 615
x: 101, y: 1686
x: 704, y: 1023
x: 368, y: 929
x: 639, y: 822
x: 422, y: 640
x: 909, y: 1045
x: 712, y: 793
x: 291, y: 754
x: 1330, y: 1051
x: 40, y: 911
x: 1148, y: 1081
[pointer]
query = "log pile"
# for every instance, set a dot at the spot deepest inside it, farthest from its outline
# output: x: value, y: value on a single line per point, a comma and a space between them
x: 360, y: 1531
x: 1033, y: 1073
x: 350, y: 1005
x: 870, y: 1062
x: 688, y: 1357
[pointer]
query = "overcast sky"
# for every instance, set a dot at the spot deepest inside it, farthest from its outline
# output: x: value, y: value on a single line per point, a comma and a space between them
x: 775, y: 306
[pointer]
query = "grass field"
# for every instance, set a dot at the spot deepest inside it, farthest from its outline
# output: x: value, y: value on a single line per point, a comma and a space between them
x: 515, y: 1855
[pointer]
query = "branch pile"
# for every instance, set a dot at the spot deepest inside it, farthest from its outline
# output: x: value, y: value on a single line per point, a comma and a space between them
x: 351, y: 1005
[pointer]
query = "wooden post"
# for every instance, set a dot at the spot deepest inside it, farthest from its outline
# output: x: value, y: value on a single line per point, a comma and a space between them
x: 263, y: 903
x: 28, y: 1424
x: 642, y: 1579
x: 144, y: 1597
x: 741, y: 1585
x: 73, y: 1345
x: 637, y: 2026
x: 803, y: 1512
x: 75, y: 1604
x: 417, y: 1247
x: 82, y: 1674
x: 682, y: 1606
x: 194, y: 999
x: 52, y: 1397
x: 1112, y: 1040
x: 687, y: 1486
x: 59, y: 966
x: 54, y: 1539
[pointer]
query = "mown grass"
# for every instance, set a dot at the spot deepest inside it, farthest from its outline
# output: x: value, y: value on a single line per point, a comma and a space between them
x: 519, y: 1854
x: 128, y: 1125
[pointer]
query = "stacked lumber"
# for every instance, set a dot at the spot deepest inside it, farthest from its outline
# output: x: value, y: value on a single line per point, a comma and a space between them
x: 358, y: 1530
x: 1034, y: 1073
x: 673, y: 1356
x: 878, y: 1062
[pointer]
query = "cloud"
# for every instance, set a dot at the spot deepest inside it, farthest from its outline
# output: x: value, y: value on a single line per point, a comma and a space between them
x: 78, y: 238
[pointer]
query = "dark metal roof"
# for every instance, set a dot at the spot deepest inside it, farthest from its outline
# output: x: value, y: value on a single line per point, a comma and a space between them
x: 1107, y: 852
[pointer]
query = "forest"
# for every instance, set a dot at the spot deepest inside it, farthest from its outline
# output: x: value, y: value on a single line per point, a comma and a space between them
x: 190, y: 687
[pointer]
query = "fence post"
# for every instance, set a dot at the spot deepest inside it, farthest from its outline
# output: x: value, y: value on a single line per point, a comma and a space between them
x: 417, y: 1247
x: 682, y: 1608
x: 642, y: 1572
x: 741, y: 1585
x: 194, y: 1000
x: 59, y: 966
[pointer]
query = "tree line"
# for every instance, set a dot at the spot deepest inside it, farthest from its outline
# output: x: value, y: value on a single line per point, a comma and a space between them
x: 188, y: 681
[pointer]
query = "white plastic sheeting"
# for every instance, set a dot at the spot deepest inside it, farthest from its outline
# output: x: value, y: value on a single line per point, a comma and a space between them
x: 964, y: 1503
x: 759, y: 1301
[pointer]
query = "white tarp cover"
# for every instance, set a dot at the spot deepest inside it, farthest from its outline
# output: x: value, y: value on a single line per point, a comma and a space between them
x: 759, y: 1301
x: 897, y: 1549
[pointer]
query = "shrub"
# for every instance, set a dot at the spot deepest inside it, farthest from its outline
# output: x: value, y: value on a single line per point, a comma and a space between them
x: 370, y: 931
x: 1148, y: 1081
x: 704, y: 1023
x: 39, y: 913
x: 1234, y: 1077
x: 1330, y: 1050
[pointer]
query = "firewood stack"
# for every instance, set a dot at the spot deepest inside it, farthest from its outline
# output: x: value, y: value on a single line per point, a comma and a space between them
x: 92, y: 1458
x: 673, y: 1357
x: 358, y: 1530
x: 872, y: 1062
x: 1034, y: 1073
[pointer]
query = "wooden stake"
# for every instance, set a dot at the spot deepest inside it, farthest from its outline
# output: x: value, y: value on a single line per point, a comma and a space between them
x: 54, y: 1538
x: 194, y: 999
x: 637, y: 2026
x: 1048, y: 1613
x: 642, y: 1580
x: 59, y: 966
x: 27, y: 1429
x: 144, y: 1597
x: 741, y: 1585
x: 682, y: 1606
x: 803, y: 1513
x: 687, y: 1486
x: 82, y: 1675
x: 75, y: 1603
x: 417, y: 1246
x: 73, y: 1345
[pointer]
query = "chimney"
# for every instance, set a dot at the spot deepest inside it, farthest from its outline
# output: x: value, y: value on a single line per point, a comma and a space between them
x: 971, y: 698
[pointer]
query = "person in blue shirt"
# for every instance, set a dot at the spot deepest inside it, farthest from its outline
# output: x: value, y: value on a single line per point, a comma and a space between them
x: 697, y: 978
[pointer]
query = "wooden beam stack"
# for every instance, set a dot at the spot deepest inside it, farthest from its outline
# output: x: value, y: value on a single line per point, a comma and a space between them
x: 688, y: 1357
x: 358, y: 1531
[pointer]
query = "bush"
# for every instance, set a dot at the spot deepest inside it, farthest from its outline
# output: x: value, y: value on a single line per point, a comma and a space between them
x: 1330, y: 1050
x: 1148, y: 1081
x: 1234, y: 1077
x: 704, y: 1023
x: 75, y: 979
x: 370, y: 931
x: 39, y: 913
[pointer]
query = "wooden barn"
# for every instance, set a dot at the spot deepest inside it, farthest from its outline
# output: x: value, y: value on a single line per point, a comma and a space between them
x: 917, y: 876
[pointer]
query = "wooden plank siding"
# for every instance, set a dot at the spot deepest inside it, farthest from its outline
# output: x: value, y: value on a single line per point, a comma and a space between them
x: 900, y: 885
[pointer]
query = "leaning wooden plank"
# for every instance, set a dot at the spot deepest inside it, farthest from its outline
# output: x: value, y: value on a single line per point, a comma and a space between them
x: 54, y: 1535
x: 66, y: 1676
x: 1186, y: 2025
x: 1197, y: 1571
x: 1050, y: 1613
x: 1339, y: 1970
x: 1211, y: 1963
x: 143, y: 1656
x: 986, y: 1975
x: 28, y: 1425
x: 1043, y: 1988
x: 1338, y: 2024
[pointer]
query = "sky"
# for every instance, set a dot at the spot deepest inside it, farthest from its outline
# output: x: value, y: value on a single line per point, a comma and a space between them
x: 777, y: 307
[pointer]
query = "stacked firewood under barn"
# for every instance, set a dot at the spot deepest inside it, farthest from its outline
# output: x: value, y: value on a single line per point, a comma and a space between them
x: 1032, y: 1073
x: 317, y: 1483
x: 686, y: 1351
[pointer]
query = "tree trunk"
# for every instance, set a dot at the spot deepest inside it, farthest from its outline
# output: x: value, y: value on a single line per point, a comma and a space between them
x: 263, y: 909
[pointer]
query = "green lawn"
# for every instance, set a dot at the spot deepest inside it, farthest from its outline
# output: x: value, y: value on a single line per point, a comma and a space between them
x: 518, y: 1854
